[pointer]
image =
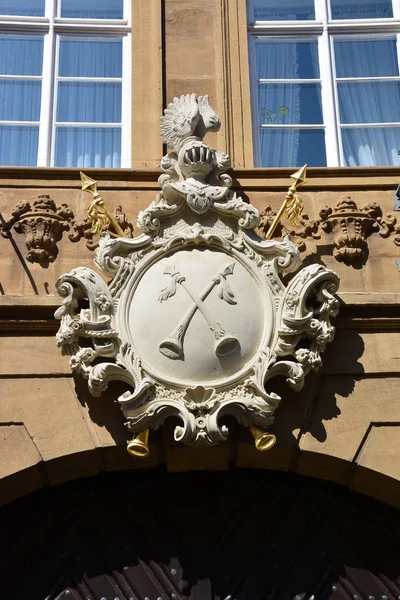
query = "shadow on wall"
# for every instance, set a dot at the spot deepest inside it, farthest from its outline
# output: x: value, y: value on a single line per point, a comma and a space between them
x: 306, y: 411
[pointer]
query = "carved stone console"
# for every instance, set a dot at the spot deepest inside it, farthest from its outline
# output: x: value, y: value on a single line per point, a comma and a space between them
x: 351, y: 226
x: 197, y: 320
x: 42, y: 223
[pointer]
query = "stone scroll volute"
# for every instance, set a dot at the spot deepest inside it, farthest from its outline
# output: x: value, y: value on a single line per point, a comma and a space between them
x: 197, y: 319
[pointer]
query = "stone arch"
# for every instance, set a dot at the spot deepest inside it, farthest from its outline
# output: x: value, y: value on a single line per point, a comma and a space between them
x: 240, y: 534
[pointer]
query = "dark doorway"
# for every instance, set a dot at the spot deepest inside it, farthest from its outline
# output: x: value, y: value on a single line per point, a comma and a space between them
x: 243, y: 535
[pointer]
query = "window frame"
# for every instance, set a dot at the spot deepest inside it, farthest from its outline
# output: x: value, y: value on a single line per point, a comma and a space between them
x: 326, y: 30
x: 52, y: 26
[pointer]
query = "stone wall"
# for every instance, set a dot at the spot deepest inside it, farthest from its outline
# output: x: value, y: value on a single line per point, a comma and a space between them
x: 344, y: 426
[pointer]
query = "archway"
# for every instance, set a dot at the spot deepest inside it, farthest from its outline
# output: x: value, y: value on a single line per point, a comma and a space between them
x: 248, y: 535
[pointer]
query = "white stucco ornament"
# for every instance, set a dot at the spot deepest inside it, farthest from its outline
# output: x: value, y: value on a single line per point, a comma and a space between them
x: 197, y: 319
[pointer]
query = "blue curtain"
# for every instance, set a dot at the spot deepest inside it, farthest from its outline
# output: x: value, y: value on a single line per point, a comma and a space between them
x: 283, y: 10
x: 287, y: 103
x: 32, y: 8
x: 368, y: 101
x: 90, y: 57
x: 20, y: 99
x: 92, y: 9
x: 88, y: 147
x: 21, y: 54
x: 18, y: 145
x: 89, y: 102
x: 361, y: 9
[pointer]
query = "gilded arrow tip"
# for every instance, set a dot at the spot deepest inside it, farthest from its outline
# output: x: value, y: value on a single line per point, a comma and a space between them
x: 87, y: 182
x: 300, y: 175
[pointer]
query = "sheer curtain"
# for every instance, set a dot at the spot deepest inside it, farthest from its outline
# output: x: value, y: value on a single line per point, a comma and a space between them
x: 92, y: 9
x: 283, y: 10
x: 368, y: 101
x: 278, y: 60
x: 88, y: 147
x: 89, y: 102
x: 20, y: 98
x: 361, y: 9
x: 18, y: 145
x: 32, y: 8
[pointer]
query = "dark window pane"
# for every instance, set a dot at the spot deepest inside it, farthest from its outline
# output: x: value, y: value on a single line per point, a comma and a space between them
x: 20, y: 100
x: 287, y: 60
x: 92, y: 9
x: 369, y: 102
x: 18, y: 145
x: 88, y: 147
x: 21, y: 54
x: 283, y: 10
x: 371, y: 146
x: 365, y: 9
x: 292, y: 147
x: 32, y: 8
x: 366, y: 58
x: 290, y: 103
x: 89, y: 102
x: 82, y: 57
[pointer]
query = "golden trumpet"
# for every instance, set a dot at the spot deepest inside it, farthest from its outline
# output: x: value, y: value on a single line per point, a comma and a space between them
x: 139, y: 445
x: 262, y: 440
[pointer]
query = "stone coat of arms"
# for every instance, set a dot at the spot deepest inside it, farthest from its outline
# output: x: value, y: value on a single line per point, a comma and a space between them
x: 198, y: 317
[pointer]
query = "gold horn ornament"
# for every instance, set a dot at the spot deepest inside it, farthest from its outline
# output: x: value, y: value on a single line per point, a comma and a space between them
x: 262, y: 439
x: 292, y: 204
x: 97, y: 211
x: 139, y: 445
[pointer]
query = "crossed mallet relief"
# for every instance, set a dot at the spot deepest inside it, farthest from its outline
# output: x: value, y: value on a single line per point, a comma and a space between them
x: 224, y: 343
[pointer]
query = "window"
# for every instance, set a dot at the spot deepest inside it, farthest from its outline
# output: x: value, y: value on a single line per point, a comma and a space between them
x: 64, y: 83
x: 325, y: 82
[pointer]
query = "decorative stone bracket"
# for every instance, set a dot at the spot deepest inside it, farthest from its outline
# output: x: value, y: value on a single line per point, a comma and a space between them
x: 350, y: 226
x: 43, y: 224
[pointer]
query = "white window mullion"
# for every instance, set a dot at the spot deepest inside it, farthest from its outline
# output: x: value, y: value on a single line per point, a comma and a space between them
x: 398, y: 50
x: 322, y: 10
x: 336, y: 100
x: 127, y: 10
x: 55, y: 100
x: 396, y: 9
x: 50, y: 8
x: 328, y: 100
x: 46, y: 100
x: 254, y: 95
x: 126, y: 102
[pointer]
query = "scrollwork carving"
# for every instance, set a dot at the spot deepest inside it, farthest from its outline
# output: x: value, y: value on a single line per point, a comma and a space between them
x: 198, y: 318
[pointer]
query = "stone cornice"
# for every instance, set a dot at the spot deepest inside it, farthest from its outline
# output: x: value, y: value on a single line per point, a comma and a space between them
x: 263, y: 179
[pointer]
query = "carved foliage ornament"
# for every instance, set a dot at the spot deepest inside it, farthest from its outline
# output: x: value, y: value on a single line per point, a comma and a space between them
x: 197, y: 319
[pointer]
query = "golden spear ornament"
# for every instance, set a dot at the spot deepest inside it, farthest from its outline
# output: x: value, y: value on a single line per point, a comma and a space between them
x: 97, y: 211
x: 292, y: 204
